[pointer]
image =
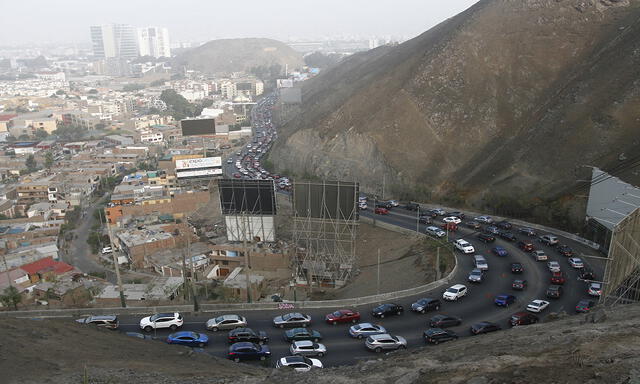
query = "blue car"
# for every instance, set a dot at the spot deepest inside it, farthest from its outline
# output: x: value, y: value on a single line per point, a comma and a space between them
x: 248, y: 351
x: 504, y: 300
x: 492, y: 229
x: 499, y: 251
x: 188, y: 338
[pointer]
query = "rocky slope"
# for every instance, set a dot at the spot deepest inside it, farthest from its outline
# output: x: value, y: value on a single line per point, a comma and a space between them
x: 496, y: 107
x: 237, y: 55
x: 602, y: 347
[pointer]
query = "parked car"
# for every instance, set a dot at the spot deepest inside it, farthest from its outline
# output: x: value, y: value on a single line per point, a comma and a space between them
x: 298, y: 363
x: 484, y: 219
x: 564, y: 250
x: 586, y: 274
x: 343, y: 316
x: 553, y: 266
x: 307, y: 348
x: 554, y: 291
x: 519, y: 284
x: 484, y: 327
x: 486, y: 237
x: 385, y: 342
x: 226, y: 322
x: 557, y: 278
x: 504, y: 300
x: 387, y: 309
x: 106, y: 250
x: 362, y: 330
x: 452, y: 219
x: 455, y: 292
x: 444, y: 321
x: 537, y: 306
x: 595, y: 289
x: 381, y: 211
x: 161, y: 320
x: 480, y: 262
x: 576, y: 262
x: 426, y: 304
x: 476, y: 275
x: 105, y: 321
x: 507, y: 235
x: 585, y: 305
x: 499, y: 251
x: 527, y: 231
x: 517, y: 268
x: 297, y: 334
x: 294, y: 319
x: 412, y: 206
x: 523, y: 318
x: 438, y: 335
x: 525, y: 245
x: 492, y: 229
x: 464, y: 246
x: 248, y: 351
x: 188, y: 338
x: 435, y: 231
x: 473, y: 225
x: 239, y: 335
x: 539, y: 255
x: 549, y: 239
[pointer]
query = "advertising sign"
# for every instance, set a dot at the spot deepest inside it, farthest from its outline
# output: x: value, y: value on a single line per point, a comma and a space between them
x: 203, y: 162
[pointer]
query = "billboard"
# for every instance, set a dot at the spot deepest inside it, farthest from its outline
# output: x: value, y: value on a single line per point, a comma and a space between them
x: 241, y: 228
x: 284, y: 83
x: 203, y: 162
x: 199, y: 173
x: 247, y: 197
x: 198, y: 127
x: 331, y: 200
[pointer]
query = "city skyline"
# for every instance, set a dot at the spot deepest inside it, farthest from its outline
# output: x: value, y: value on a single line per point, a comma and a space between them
x: 68, y: 21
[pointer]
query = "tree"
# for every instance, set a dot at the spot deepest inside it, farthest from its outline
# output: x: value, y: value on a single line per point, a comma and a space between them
x: 69, y: 132
x: 93, y: 91
x: 60, y: 92
x: 178, y: 106
x: 11, y: 297
x: 132, y: 87
x: 41, y: 134
x: 11, y: 139
x: 23, y: 137
x: 48, y: 160
x: 31, y: 163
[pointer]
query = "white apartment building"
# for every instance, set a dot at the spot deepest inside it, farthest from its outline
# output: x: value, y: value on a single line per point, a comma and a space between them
x: 152, y: 137
x: 154, y: 41
x: 114, y: 40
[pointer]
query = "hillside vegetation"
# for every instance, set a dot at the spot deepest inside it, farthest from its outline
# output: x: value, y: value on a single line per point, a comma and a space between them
x: 498, y: 108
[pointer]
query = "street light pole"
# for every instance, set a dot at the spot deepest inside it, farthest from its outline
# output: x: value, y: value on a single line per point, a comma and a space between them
x: 418, y: 219
x: 378, y: 279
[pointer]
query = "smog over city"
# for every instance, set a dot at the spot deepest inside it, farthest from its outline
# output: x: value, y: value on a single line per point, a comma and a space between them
x: 335, y: 191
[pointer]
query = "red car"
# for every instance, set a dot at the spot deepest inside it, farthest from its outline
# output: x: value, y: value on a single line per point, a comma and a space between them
x: 451, y: 227
x: 557, y: 278
x: 525, y: 245
x: 343, y: 316
x: 237, y: 175
x: 381, y: 211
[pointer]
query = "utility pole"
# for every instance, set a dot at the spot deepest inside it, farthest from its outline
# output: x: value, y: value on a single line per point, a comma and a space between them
x: 123, y: 302
x: 418, y: 220
x: 378, y: 279
x: 247, y: 273
x: 438, y: 264
x: 383, y: 183
x: 193, y: 270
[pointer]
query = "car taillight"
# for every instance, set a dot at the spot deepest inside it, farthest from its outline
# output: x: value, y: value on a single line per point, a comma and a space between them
x: 232, y: 353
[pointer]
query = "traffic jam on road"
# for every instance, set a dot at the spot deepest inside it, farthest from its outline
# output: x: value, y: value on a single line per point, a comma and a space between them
x: 507, y: 276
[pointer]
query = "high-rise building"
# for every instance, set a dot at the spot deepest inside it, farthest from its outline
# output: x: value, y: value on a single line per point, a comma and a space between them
x: 114, y: 40
x: 154, y: 41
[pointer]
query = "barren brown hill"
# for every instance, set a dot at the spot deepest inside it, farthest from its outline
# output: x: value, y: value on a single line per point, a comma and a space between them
x: 237, y: 55
x: 496, y: 108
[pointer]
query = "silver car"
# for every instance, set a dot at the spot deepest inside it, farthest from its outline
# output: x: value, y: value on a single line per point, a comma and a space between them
x: 476, y: 275
x: 385, y: 342
x: 362, y: 330
x: 307, y: 348
x: 294, y: 319
x: 226, y: 322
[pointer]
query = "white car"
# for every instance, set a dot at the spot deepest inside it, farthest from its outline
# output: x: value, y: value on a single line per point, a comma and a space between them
x: 464, y: 246
x: 161, y: 320
x: 298, y: 363
x: 537, y: 306
x: 106, y: 250
x: 576, y: 262
x: 484, y: 219
x: 539, y: 255
x: 394, y: 203
x: 435, y: 231
x: 549, y: 239
x: 452, y: 219
x: 307, y: 348
x: 480, y: 262
x: 595, y: 289
x: 455, y: 292
x: 362, y: 205
x: 553, y: 266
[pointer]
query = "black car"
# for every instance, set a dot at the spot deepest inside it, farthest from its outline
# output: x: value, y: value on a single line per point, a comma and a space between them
x: 426, y: 304
x: 239, y: 335
x: 504, y: 225
x: 486, y: 237
x: 565, y: 250
x: 584, y: 306
x: 444, y: 321
x: 425, y: 219
x: 527, y: 231
x: 387, y: 309
x: 507, y: 235
x: 484, y: 327
x: 586, y: 274
x: 429, y: 212
x: 457, y: 214
x: 519, y: 284
x: 517, y: 268
x: 412, y: 206
x: 384, y: 204
x: 523, y: 318
x: 554, y: 291
x: 438, y: 335
x: 473, y: 224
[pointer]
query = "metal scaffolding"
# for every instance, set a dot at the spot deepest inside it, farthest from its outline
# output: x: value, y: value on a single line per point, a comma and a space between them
x: 622, y: 270
x: 325, y: 225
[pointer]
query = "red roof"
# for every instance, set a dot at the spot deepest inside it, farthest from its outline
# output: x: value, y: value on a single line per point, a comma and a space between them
x: 7, y: 117
x: 46, y: 265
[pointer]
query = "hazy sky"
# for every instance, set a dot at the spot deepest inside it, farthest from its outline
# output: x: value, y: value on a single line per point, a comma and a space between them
x: 28, y: 21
